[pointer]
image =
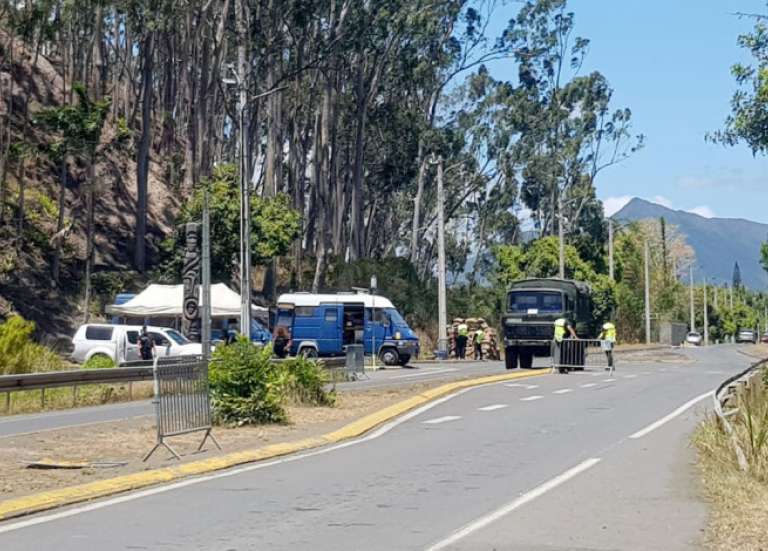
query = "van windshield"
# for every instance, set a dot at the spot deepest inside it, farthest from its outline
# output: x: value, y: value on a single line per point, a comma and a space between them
x: 535, y: 302
x: 395, y: 316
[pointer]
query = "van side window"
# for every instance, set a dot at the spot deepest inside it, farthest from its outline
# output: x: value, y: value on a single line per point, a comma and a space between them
x: 133, y: 337
x: 97, y: 333
x: 331, y: 315
x: 304, y: 311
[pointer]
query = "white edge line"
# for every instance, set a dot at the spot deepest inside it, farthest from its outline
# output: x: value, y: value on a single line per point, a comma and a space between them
x: 503, y: 511
x: 425, y: 373
x: 667, y: 418
x: 381, y: 431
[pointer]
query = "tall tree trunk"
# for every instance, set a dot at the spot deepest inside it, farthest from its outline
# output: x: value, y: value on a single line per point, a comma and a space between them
x: 20, y: 213
x: 357, y: 231
x: 142, y: 164
x: 56, y: 261
x: 89, y: 239
x: 417, y: 206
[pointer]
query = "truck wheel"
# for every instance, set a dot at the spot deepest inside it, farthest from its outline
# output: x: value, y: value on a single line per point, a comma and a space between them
x: 308, y: 352
x: 510, y: 358
x: 389, y: 356
x: 526, y: 360
x: 404, y: 359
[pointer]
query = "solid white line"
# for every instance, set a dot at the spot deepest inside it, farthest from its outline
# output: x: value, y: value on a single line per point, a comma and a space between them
x: 563, y: 391
x: 503, y: 511
x: 426, y: 373
x: 493, y: 407
x: 439, y: 420
x: 381, y: 431
x: 667, y: 418
x: 588, y: 385
x: 531, y: 398
x: 518, y: 385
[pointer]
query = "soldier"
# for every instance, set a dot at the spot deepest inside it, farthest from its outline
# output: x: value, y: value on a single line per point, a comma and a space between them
x: 562, y: 326
x: 478, y: 338
x: 146, y: 345
x: 608, y: 338
x: 461, y: 340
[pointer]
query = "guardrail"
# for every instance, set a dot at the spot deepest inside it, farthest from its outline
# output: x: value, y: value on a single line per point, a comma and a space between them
x: 723, y: 393
x: 137, y: 372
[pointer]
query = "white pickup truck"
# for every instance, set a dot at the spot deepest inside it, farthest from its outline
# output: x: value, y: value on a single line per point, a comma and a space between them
x: 120, y: 343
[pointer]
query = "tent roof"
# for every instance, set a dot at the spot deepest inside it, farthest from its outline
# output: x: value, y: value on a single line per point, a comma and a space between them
x: 166, y: 300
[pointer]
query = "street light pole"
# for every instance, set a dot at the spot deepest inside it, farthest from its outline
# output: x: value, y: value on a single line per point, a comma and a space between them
x: 693, y: 311
x: 647, y: 296
x: 442, y: 337
x: 706, y: 315
x: 206, y: 277
x: 561, y: 235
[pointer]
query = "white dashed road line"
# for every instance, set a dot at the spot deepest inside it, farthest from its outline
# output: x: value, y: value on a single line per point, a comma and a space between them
x: 439, y: 420
x: 492, y: 407
x: 630, y: 376
x: 563, y: 391
x: 518, y: 385
x: 531, y: 398
x: 588, y: 385
x: 608, y: 380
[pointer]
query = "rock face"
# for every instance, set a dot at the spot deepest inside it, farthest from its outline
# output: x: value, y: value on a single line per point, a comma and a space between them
x: 718, y: 242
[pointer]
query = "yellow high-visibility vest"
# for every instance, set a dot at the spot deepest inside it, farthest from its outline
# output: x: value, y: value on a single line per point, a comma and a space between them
x: 609, y: 332
x: 560, y: 329
x: 463, y: 330
x: 479, y: 336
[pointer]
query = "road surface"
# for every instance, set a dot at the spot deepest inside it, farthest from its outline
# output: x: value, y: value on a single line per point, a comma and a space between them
x: 557, y: 462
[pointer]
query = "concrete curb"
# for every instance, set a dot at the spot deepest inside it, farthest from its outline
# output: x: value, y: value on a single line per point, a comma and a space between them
x: 36, y: 503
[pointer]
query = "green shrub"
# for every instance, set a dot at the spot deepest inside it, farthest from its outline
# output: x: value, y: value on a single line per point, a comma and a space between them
x: 19, y: 354
x: 246, y: 386
x: 99, y: 361
x: 307, y: 381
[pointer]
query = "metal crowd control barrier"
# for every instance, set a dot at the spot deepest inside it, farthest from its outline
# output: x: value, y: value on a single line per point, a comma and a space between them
x: 578, y: 354
x: 354, y: 365
x: 182, y: 402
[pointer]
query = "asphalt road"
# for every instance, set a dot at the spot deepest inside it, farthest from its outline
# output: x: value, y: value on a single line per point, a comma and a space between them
x: 556, y: 462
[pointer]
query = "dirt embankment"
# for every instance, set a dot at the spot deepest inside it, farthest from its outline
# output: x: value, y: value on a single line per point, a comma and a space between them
x: 31, y: 83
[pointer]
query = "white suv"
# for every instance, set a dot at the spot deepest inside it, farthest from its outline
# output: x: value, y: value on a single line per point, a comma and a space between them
x: 120, y: 343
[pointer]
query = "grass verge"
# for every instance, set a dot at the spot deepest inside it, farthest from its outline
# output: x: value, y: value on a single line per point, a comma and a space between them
x: 739, y: 500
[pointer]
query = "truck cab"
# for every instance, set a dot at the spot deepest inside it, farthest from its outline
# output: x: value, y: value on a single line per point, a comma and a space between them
x: 325, y: 324
x: 530, y: 311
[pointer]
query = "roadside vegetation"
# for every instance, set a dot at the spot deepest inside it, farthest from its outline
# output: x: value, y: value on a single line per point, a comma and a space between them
x: 739, y: 499
x: 19, y: 353
x: 248, y: 388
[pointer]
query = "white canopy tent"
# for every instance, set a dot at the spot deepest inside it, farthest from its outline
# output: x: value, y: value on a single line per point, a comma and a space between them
x: 166, y: 301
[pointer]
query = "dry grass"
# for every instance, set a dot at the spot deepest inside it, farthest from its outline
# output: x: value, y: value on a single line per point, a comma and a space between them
x: 739, y: 500
x: 31, y: 401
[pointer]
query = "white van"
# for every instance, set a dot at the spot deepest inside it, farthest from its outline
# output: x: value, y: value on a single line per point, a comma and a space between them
x: 120, y: 343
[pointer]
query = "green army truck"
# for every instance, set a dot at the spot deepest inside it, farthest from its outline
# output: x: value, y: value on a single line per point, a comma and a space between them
x: 532, y: 306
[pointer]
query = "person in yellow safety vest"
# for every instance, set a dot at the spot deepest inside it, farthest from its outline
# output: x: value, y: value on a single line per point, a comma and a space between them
x: 562, y: 326
x: 478, y: 339
x: 461, y: 340
x: 608, y: 338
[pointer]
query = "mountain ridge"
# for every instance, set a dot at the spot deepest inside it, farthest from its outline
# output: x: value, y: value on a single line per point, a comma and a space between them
x: 718, y: 242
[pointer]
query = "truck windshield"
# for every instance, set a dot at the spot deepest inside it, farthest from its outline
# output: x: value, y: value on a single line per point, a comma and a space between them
x: 535, y: 302
x: 177, y: 337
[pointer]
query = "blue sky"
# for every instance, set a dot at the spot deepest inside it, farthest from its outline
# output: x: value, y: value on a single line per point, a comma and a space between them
x: 669, y: 62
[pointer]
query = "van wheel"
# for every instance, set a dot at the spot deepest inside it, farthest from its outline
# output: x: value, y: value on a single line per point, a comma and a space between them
x: 510, y: 358
x: 404, y: 360
x: 308, y: 352
x: 389, y: 356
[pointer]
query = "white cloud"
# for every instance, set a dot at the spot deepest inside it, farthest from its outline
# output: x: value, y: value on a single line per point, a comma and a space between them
x: 663, y: 201
x: 703, y: 210
x: 612, y: 205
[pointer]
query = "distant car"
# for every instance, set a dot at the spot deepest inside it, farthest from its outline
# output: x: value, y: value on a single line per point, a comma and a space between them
x: 764, y: 338
x: 120, y: 343
x: 746, y: 335
x: 693, y: 338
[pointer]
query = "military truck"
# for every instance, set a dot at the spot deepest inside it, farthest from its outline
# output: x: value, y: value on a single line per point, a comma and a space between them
x: 532, y: 306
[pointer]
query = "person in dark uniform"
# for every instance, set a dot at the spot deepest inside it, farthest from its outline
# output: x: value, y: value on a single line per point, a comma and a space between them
x: 146, y: 345
x: 281, y: 344
x: 231, y: 333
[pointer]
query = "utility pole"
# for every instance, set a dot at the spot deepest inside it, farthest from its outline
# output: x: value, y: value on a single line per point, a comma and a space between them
x: 706, y: 316
x: 730, y: 293
x: 610, y: 249
x: 561, y: 234
x: 206, y: 277
x: 693, y: 308
x: 442, y: 337
x: 647, y: 297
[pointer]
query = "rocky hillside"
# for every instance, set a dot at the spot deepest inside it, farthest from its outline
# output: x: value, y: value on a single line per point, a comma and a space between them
x: 30, y: 83
x: 718, y: 242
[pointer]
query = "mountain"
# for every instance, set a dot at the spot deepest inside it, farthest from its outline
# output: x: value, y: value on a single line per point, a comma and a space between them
x: 718, y: 242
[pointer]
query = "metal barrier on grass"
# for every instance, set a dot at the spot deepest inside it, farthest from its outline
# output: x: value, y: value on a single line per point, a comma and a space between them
x: 576, y: 354
x: 182, y: 402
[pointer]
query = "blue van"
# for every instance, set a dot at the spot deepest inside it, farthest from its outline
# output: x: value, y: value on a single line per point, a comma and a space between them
x: 324, y: 324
